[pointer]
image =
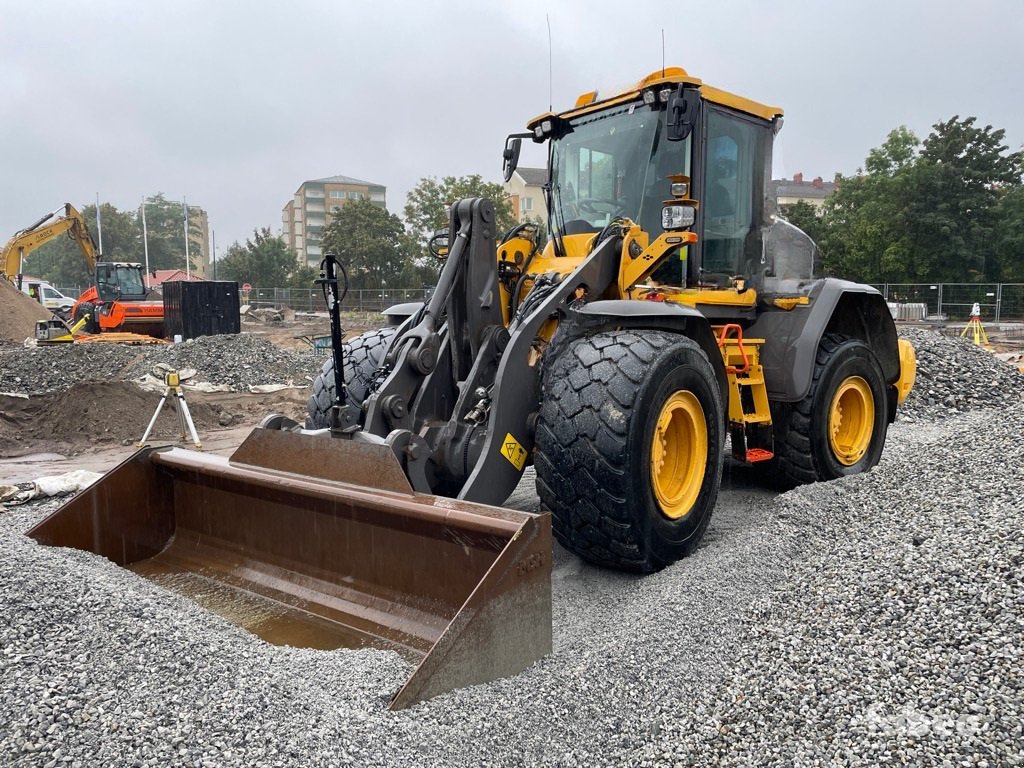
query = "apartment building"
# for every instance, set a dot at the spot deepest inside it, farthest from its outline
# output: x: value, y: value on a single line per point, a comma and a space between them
x: 526, y: 188
x: 306, y: 215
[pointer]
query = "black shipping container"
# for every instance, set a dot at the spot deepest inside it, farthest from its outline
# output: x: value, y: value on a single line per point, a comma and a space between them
x: 200, y: 308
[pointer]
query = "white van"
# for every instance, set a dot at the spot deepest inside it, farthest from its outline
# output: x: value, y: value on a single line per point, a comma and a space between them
x: 46, y: 294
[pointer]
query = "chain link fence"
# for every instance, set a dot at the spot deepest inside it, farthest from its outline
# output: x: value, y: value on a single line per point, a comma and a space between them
x: 949, y: 302
x: 312, y: 299
x: 952, y: 302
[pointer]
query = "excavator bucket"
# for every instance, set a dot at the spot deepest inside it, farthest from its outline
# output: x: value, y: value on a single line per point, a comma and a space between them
x: 317, y: 542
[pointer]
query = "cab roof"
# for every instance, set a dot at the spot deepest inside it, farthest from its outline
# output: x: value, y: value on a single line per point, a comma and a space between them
x: 589, y: 101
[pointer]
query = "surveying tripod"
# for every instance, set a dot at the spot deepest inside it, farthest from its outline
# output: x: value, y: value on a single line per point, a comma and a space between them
x: 975, y: 328
x: 172, y: 382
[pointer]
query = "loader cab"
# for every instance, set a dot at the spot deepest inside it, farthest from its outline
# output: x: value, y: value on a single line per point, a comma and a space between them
x: 612, y: 159
x: 613, y: 164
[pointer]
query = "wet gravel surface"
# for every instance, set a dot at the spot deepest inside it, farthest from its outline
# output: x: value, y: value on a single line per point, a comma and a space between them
x: 897, y: 637
x: 875, y: 620
x: 955, y: 376
x: 237, y: 361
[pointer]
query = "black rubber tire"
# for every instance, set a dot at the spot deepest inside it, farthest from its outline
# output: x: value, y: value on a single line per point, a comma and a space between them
x: 363, y: 356
x: 803, y: 452
x: 602, y: 395
x: 92, y: 325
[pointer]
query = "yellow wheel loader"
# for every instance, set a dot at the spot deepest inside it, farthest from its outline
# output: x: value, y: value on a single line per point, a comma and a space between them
x: 668, y: 311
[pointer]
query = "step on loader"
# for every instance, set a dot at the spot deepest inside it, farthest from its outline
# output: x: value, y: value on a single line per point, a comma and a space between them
x: 668, y: 311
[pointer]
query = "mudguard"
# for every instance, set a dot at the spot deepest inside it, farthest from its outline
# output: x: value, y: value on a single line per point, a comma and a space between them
x: 792, y: 336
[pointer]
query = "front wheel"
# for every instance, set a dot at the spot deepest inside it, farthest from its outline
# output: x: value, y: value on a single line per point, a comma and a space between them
x: 839, y: 428
x: 362, y: 356
x: 629, y: 447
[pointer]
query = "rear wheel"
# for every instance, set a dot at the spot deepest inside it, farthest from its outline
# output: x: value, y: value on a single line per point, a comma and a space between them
x: 362, y: 357
x: 629, y: 447
x: 839, y: 428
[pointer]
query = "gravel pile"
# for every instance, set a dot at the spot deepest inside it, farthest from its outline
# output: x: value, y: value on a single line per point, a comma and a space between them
x: 898, y: 636
x: 131, y: 674
x: 238, y: 361
x: 874, y: 620
x: 954, y: 376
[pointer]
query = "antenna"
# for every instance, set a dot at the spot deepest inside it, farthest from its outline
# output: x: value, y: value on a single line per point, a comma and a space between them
x: 551, y: 98
x: 662, y: 51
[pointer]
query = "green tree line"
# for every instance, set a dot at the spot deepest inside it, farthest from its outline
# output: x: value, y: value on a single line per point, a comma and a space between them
x: 949, y: 209
x: 377, y: 249
x: 61, y: 262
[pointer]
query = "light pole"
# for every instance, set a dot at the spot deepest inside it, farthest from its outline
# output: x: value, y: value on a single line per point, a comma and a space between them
x: 145, y: 234
x: 188, y: 266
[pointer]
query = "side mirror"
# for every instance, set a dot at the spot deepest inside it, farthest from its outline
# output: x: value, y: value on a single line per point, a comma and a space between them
x: 510, y: 157
x: 438, y: 244
x: 682, y: 112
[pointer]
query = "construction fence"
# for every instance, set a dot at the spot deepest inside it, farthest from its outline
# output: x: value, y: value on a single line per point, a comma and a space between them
x: 952, y: 302
x: 312, y: 299
x: 942, y: 302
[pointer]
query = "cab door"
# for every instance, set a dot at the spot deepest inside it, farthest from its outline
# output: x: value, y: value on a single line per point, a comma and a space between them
x: 735, y: 180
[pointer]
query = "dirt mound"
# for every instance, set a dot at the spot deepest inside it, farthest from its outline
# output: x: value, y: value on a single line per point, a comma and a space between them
x: 92, y: 412
x: 96, y: 414
x: 18, y: 313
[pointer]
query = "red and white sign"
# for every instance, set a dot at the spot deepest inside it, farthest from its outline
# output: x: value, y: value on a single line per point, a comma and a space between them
x: 246, y: 287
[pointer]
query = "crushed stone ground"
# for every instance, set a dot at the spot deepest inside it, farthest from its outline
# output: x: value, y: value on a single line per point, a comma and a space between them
x: 875, y: 620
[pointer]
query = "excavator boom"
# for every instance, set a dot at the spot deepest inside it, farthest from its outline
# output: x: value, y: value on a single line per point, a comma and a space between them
x: 12, y: 258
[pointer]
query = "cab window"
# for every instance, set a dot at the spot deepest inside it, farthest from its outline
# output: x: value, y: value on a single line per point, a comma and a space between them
x: 733, y: 161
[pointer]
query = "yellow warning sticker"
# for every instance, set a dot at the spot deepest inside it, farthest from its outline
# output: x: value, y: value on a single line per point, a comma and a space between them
x: 513, y: 451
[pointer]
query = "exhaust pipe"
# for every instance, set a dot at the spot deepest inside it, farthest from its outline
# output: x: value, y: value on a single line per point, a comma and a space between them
x: 317, y: 542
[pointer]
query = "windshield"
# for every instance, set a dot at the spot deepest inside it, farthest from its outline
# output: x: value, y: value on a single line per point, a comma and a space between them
x: 114, y: 282
x: 614, y: 164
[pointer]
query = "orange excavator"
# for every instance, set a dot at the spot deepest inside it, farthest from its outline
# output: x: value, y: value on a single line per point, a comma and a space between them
x: 116, y: 302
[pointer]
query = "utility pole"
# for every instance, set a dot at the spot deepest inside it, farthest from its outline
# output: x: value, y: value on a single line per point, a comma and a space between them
x: 213, y: 252
x: 145, y: 234
x: 99, y: 224
x: 188, y: 266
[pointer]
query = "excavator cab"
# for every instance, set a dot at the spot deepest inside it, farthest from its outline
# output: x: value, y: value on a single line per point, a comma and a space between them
x: 120, y: 282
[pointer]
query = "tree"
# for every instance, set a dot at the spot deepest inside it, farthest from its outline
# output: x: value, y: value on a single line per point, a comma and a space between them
x: 962, y: 173
x: 165, y: 234
x: 303, y: 276
x: 805, y: 216
x: 863, y: 230
x: 939, y: 210
x: 1008, y: 236
x: 427, y: 205
x: 264, y: 261
x: 368, y: 241
x: 61, y: 261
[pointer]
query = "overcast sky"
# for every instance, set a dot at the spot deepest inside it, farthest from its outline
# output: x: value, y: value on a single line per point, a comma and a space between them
x: 233, y: 105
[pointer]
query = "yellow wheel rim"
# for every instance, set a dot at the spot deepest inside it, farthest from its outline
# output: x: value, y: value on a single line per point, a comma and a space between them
x: 679, y: 454
x: 851, y: 421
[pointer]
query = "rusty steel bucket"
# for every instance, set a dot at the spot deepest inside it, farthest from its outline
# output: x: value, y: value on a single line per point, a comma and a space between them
x: 316, y: 542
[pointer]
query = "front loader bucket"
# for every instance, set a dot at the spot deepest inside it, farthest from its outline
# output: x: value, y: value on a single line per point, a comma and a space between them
x: 316, y: 542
